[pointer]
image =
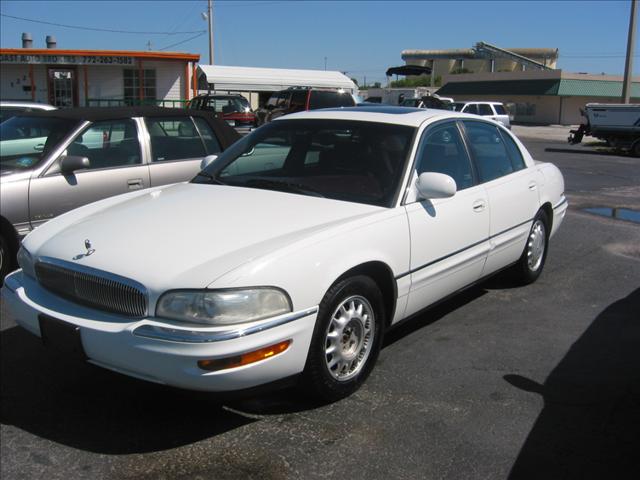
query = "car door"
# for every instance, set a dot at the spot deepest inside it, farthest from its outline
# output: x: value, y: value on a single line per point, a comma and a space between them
x: 449, y: 236
x: 178, y: 145
x: 511, y: 186
x: 115, y: 166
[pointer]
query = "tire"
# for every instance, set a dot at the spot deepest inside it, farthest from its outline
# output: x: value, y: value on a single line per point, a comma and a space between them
x: 6, y: 259
x: 531, y: 263
x: 350, y: 323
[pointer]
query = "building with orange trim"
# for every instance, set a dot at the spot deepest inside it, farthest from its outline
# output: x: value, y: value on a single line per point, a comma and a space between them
x: 70, y: 78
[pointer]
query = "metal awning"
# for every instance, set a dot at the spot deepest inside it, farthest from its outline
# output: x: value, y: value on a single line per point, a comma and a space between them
x: 252, y: 79
x: 409, y: 70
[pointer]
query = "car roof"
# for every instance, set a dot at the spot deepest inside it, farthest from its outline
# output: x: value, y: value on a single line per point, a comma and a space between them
x: 478, y: 101
x: 93, y: 114
x: 25, y: 104
x: 382, y: 114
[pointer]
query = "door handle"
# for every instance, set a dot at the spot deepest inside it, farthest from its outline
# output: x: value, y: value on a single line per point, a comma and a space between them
x: 533, y: 186
x: 134, y: 183
x: 479, y: 205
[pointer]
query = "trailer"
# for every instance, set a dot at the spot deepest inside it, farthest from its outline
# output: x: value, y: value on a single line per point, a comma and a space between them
x: 615, y: 123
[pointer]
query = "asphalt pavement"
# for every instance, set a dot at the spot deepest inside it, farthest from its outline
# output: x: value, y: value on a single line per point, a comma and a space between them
x: 539, y: 382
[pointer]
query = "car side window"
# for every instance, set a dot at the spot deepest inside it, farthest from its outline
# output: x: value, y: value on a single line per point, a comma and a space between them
x: 517, y: 161
x: 208, y: 136
x: 299, y: 100
x: 485, y: 109
x: 473, y: 109
x: 174, y: 139
x: 442, y: 151
x: 111, y: 143
x: 489, y: 150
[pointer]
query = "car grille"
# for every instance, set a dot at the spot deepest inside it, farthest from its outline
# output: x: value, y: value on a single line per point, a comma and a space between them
x: 93, y: 290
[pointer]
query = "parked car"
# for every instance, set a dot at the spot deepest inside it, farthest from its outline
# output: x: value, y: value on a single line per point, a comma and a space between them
x: 11, y: 109
x: 292, y: 253
x: 52, y: 162
x: 295, y: 100
x: 234, y: 109
x: 429, y: 101
x: 493, y: 110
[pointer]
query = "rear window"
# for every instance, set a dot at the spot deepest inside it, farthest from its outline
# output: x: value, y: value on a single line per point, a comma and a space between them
x: 500, y: 110
x: 324, y: 99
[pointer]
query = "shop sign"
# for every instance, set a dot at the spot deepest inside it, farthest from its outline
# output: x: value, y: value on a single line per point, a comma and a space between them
x: 67, y: 59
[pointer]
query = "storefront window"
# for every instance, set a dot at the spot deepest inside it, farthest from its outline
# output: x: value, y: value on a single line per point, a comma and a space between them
x: 132, y: 85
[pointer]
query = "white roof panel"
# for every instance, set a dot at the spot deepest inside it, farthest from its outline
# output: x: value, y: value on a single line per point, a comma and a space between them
x: 270, y: 79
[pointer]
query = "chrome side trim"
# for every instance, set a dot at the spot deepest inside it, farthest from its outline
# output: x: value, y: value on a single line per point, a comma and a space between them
x: 171, y: 334
x: 561, y: 202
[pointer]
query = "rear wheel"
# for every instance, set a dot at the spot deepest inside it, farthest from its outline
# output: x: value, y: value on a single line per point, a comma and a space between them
x: 346, y: 340
x: 530, y: 265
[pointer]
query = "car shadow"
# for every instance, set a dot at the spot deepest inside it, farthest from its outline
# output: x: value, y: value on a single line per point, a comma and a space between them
x: 54, y: 396
x: 432, y: 314
x: 590, y: 424
x: 77, y: 404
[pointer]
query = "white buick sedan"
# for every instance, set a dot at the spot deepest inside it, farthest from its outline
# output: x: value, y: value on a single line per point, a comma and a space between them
x: 292, y: 253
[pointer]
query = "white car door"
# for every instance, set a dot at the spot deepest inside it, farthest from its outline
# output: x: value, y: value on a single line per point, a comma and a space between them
x: 512, y: 188
x: 449, y: 236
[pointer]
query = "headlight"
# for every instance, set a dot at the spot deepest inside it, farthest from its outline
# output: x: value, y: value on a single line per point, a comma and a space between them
x: 25, y: 260
x: 223, y: 307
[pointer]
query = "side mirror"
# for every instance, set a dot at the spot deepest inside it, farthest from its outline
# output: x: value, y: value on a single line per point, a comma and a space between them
x: 206, y: 161
x: 71, y: 163
x: 435, y: 185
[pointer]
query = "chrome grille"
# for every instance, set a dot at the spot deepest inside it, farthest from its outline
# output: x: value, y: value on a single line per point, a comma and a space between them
x: 94, y: 289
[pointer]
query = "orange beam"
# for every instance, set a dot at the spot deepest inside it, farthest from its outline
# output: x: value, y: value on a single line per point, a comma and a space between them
x: 195, y: 81
x: 186, y: 81
x: 86, y: 87
x: 102, y: 53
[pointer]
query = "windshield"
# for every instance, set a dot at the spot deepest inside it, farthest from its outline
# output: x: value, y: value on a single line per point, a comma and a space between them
x: 227, y: 104
x: 342, y: 160
x: 25, y: 141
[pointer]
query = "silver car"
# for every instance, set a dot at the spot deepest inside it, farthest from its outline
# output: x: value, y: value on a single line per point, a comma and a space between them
x: 10, y: 109
x: 52, y: 162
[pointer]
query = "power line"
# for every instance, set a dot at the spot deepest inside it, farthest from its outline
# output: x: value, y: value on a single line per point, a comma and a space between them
x: 183, y: 41
x: 96, y: 29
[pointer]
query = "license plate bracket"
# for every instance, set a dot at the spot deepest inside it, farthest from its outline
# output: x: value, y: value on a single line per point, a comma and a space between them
x: 61, y: 336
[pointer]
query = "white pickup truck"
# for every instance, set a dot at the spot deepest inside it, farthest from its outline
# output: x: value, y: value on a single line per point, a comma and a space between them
x: 616, y: 123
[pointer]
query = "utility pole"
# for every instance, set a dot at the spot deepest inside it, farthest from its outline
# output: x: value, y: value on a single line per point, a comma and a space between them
x: 628, y: 64
x: 210, y: 15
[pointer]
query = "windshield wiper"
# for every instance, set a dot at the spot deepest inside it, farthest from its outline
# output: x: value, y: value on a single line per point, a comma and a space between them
x: 283, y: 186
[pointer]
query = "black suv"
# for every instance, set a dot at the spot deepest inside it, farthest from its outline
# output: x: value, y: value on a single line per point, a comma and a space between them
x: 300, y: 99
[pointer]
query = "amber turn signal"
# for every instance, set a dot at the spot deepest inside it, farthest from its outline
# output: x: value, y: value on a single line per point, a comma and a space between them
x: 245, y: 358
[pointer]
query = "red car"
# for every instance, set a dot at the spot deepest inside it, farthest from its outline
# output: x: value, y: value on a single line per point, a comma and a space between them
x: 235, y: 109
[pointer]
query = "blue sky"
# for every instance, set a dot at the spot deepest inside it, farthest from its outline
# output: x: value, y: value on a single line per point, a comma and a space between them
x: 359, y: 37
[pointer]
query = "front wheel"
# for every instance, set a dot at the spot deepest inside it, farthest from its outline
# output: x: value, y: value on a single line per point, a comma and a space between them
x: 347, y: 338
x: 530, y: 265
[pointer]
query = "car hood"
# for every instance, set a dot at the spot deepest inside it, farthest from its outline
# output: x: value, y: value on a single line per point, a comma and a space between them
x: 187, y: 235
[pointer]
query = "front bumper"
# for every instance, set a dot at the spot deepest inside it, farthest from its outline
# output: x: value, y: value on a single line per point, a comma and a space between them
x: 164, y: 352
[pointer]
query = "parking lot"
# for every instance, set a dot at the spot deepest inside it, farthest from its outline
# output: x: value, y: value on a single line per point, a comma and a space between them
x: 536, y: 382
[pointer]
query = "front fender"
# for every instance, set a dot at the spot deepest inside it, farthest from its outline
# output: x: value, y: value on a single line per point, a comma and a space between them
x: 306, y: 269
